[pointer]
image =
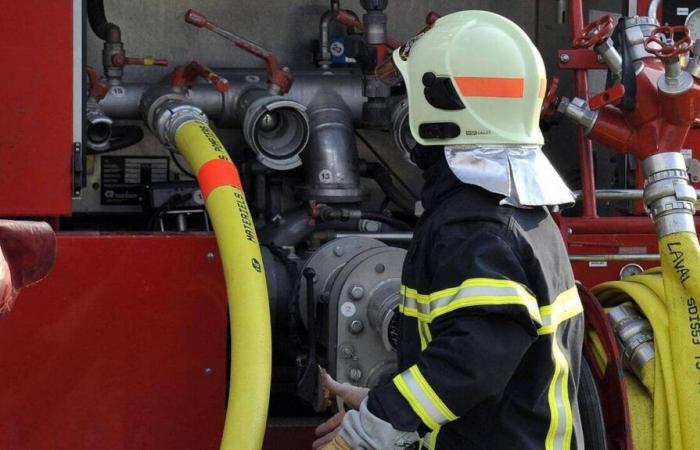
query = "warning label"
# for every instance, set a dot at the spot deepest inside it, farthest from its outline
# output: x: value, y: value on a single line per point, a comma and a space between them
x: 125, y: 179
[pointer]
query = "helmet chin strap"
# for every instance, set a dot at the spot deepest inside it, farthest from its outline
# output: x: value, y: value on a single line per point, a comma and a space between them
x: 426, y: 156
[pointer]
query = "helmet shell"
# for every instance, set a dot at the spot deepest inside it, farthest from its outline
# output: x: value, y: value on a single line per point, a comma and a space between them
x: 493, y: 68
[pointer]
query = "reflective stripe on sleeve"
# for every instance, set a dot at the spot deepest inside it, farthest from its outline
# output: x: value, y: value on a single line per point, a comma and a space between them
x: 561, y: 426
x: 423, y: 400
x: 565, y: 306
x: 471, y: 293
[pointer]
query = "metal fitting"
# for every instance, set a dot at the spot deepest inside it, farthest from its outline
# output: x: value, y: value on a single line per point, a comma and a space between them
x: 635, y: 335
x: 610, y: 56
x: 676, y: 81
x: 276, y: 128
x: 668, y: 196
x: 169, y: 115
x: 637, y: 29
x: 578, y: 110
x: 693, y: 67
x: 99, y: 126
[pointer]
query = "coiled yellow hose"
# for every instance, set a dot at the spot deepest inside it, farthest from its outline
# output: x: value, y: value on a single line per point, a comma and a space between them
x: 667, y: 298
x: 251, y: 348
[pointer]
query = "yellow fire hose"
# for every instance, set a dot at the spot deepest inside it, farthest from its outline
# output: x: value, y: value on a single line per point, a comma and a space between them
x: 666, y: 410
x: 251, y: 354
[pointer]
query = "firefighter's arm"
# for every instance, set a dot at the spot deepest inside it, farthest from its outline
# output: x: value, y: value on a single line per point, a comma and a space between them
x: 480, y: 321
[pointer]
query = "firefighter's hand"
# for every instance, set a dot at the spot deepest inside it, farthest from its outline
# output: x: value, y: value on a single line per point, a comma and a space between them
x: 328, y: 430
x: 351, y: 395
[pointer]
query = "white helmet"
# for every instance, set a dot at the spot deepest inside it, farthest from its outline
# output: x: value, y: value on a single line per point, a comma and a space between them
x: 474, y: 77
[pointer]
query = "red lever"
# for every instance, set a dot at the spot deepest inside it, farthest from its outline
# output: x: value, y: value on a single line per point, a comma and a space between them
x: 278, y: 77
x: 668, y: 48
x: 187, y: 75
x: 432, y: 17
x: 595, y: 33
x: 611, y: 96
x: 549, y: 104
x: 348, y: 20
x: 121, y: 61
x: 98, y: 88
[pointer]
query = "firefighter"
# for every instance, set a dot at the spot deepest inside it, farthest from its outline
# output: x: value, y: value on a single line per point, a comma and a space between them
x: 490, y: 320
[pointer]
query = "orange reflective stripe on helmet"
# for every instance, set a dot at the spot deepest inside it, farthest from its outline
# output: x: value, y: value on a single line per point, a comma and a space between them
x: 491, y: 87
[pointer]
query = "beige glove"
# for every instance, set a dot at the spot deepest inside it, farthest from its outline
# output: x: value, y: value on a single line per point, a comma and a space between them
x: 328, y: 431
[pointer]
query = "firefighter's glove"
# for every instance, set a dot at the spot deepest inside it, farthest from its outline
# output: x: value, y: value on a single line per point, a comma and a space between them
x: 362, y: 430
x: 351, y: 395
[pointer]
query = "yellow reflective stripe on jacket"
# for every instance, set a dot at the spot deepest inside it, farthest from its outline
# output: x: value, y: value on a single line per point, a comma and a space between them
x: 423, y: 400
x: 471, y: 293
x: 566, y: 306
x: 424, y: 334
x: 561, y: 426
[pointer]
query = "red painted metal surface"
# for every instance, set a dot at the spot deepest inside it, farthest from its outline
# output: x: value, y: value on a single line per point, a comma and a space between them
x: 111, y: 350
x: 584, y: 145
x: 36, y: 122
x: 592, y: 273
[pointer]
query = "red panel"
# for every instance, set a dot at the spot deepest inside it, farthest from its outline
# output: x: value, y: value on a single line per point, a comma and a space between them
x: 111, y: 350
x: 592, y: 273
x: 36, y: 132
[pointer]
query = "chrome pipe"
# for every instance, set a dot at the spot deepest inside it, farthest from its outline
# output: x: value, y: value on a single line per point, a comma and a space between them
x: 616, y: 257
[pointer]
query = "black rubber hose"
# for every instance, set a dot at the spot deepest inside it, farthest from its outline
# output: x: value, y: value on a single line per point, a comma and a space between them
x: 383, y: 177
x: 392, y: 222
x: 98, y: 20
x: 122, y: 137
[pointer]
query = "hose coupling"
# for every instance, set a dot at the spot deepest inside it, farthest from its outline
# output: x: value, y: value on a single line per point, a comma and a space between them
x: 577, y: 109
x: 635, y: 335
x: 168, y: 115
x: 99, y: 126
x: 668, y: 196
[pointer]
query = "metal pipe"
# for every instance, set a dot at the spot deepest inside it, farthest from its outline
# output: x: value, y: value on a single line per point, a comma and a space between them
x: 331, y: 160
x: 124, y: 102
x: 653, y: 7
x: 324, y: 52
x: 617, y: 194
x: 616, y: 257
x: 584, y: 145
x: 395, y: 237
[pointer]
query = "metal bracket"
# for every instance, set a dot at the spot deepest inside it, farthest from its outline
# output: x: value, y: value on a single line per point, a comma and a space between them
x: 78, y: 169
x: 580, y: 59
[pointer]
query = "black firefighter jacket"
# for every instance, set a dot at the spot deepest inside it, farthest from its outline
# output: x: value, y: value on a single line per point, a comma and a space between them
x: 491, y: 327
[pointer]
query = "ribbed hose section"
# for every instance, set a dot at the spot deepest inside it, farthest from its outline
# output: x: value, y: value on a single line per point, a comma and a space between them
x: 251, y: 347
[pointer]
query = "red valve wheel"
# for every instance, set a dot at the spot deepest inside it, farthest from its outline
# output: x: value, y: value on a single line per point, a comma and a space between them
x: 595, y: 33
x: 668, y: 48
x: 549, y: 104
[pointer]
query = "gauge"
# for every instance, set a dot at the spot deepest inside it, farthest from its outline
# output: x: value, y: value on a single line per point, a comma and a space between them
x: 693, y: 24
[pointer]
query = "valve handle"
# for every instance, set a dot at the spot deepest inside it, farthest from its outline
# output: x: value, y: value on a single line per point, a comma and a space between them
x: 348, y: 20
x: 432, y: 17
x: 98, y: 88
x: 120, y: 60
x: 595, y: 33
x: 549, y: 104
x: 611, y: 96
x: 279, y: 78
x: 186, y: 76
x: 663, y: 43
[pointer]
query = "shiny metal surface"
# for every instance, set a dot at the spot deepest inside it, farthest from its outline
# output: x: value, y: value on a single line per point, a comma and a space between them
x: 275, y: 128
x: 123, y: 102
x: 635, y: 335
x: 521, y: 173
x: 668, y: 196
x: 331, y: 160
